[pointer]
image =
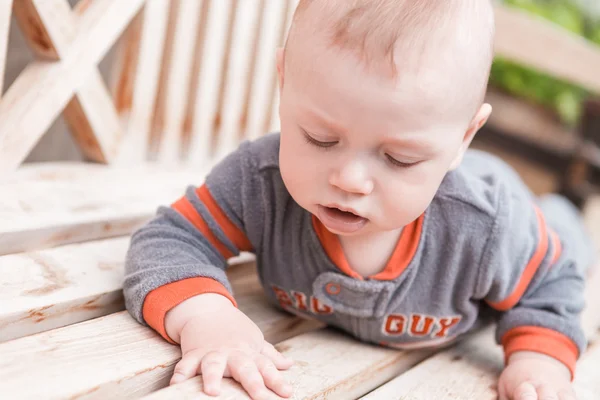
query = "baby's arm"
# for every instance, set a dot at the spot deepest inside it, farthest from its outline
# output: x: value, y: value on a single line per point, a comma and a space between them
x: 537, y: 281
x: 175, y: 278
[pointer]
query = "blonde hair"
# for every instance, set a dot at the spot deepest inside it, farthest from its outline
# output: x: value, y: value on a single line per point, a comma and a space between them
x: 387, y: 33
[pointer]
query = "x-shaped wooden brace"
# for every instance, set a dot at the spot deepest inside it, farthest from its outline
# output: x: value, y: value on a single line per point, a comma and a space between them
x: 5, y: 7
x: 72, y: 42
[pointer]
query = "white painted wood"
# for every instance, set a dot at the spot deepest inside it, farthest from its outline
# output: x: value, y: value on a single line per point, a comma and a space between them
x: 114, y: 356
x: 47, y: 26
x: 272, y: 120
x: 532, y: 41
x: 328, y: 365
x: 93, y: 120
x: 206, y: 99
x: 591, y: 217
x: 587, y: 380
x: 52, y: 288
x: 44, y: 205
x: 265, y: 73
x: 138, y: 112
x: 43, y: 89
x: 5, y: 13
x: 467, y: 371
x: 178, y: 79
x: 50, y: 28
x: 237, y: 75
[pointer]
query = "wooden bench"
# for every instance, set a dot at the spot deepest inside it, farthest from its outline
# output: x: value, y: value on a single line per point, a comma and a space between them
x: 192, y: 78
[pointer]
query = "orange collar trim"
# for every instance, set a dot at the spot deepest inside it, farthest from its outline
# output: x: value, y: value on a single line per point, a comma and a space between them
x: 402, y: 256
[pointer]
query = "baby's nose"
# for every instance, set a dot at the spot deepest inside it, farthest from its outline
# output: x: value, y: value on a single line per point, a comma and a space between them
x: 353, y: 178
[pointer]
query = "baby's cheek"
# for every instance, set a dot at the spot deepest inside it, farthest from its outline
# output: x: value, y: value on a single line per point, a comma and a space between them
x: 406, y: 204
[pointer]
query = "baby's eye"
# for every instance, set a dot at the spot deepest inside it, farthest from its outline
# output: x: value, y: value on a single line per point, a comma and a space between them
x: 401, y: 164
x: 318, y: 143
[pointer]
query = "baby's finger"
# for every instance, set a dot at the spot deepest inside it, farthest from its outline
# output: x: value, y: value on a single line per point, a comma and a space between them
x: 280, y: 361
x: 244, y: 370
x: 212, y: 369
x: 566, y: 394
x: 525, y: 391
x: 546, y: 392
x: 273, y: 378
x: 186, y: 368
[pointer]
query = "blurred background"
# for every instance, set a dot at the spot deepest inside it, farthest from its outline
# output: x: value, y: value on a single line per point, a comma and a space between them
x: 544, y: 126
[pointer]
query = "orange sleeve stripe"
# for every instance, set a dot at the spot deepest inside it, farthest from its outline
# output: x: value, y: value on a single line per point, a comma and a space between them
x: 541, y: 340
x: 556, y: 245
x: 237, y: 237
x: 185, y: 208
x: 530, y: 269
x: 162, y: 299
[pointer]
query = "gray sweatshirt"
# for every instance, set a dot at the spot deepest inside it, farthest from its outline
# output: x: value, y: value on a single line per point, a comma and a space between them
x: 485, y: 247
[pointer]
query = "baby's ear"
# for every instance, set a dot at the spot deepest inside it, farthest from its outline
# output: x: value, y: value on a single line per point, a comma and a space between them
x: 280, y: 60
x: 476, y: 123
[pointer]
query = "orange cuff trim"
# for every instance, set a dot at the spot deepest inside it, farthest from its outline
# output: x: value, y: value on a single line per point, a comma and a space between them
x: 162, y: 299
x: 541, y: 340
x: 237, y: 237
x: 185, y: 208
x: 530, y: 269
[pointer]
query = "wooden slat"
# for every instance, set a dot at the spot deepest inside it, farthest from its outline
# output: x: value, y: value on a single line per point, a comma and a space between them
x: 544, y: 46
x: 114, y: 354
x: 5, y: 13
x: 328, y: 365
x: 261, y: 97
x: 141, y: 53
x: 93, y: 120
x: 39, y: 30
x: 47, y: 289
x: 587, y: 381
x: 467, y: 371
x: 237, y: 76
x: 206, y: 99
x: 43, y: 89
x: 178, y: 78
x: 519, y: 118
x: 470, y: 369
x: 44, y: 205
x: 272, y: 120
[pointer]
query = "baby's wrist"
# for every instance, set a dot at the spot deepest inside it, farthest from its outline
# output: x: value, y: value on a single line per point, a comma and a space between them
x: 194, y: 307
x: 522, y: 355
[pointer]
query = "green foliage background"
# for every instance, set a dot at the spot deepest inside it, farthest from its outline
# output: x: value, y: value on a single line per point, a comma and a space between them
x: 564, y: 98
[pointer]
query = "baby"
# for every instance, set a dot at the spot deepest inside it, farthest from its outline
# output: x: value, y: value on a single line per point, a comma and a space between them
x: 368, y: 213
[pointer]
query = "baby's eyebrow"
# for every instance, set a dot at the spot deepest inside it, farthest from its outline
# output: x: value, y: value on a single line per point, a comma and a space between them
x: 331, y: 125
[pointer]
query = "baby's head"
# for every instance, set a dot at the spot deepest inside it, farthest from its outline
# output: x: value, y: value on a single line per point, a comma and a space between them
x: 379, y: 100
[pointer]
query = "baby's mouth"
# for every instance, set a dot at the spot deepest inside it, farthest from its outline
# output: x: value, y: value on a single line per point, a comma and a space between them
x: 340, y: 221
x: 343, y: 215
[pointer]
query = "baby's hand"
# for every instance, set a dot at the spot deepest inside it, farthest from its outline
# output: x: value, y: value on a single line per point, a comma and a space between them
x: 535, y: 376
x: 224, y: 342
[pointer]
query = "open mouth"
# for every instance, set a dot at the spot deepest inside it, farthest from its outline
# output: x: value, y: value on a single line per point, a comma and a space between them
x: 340, y: 221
